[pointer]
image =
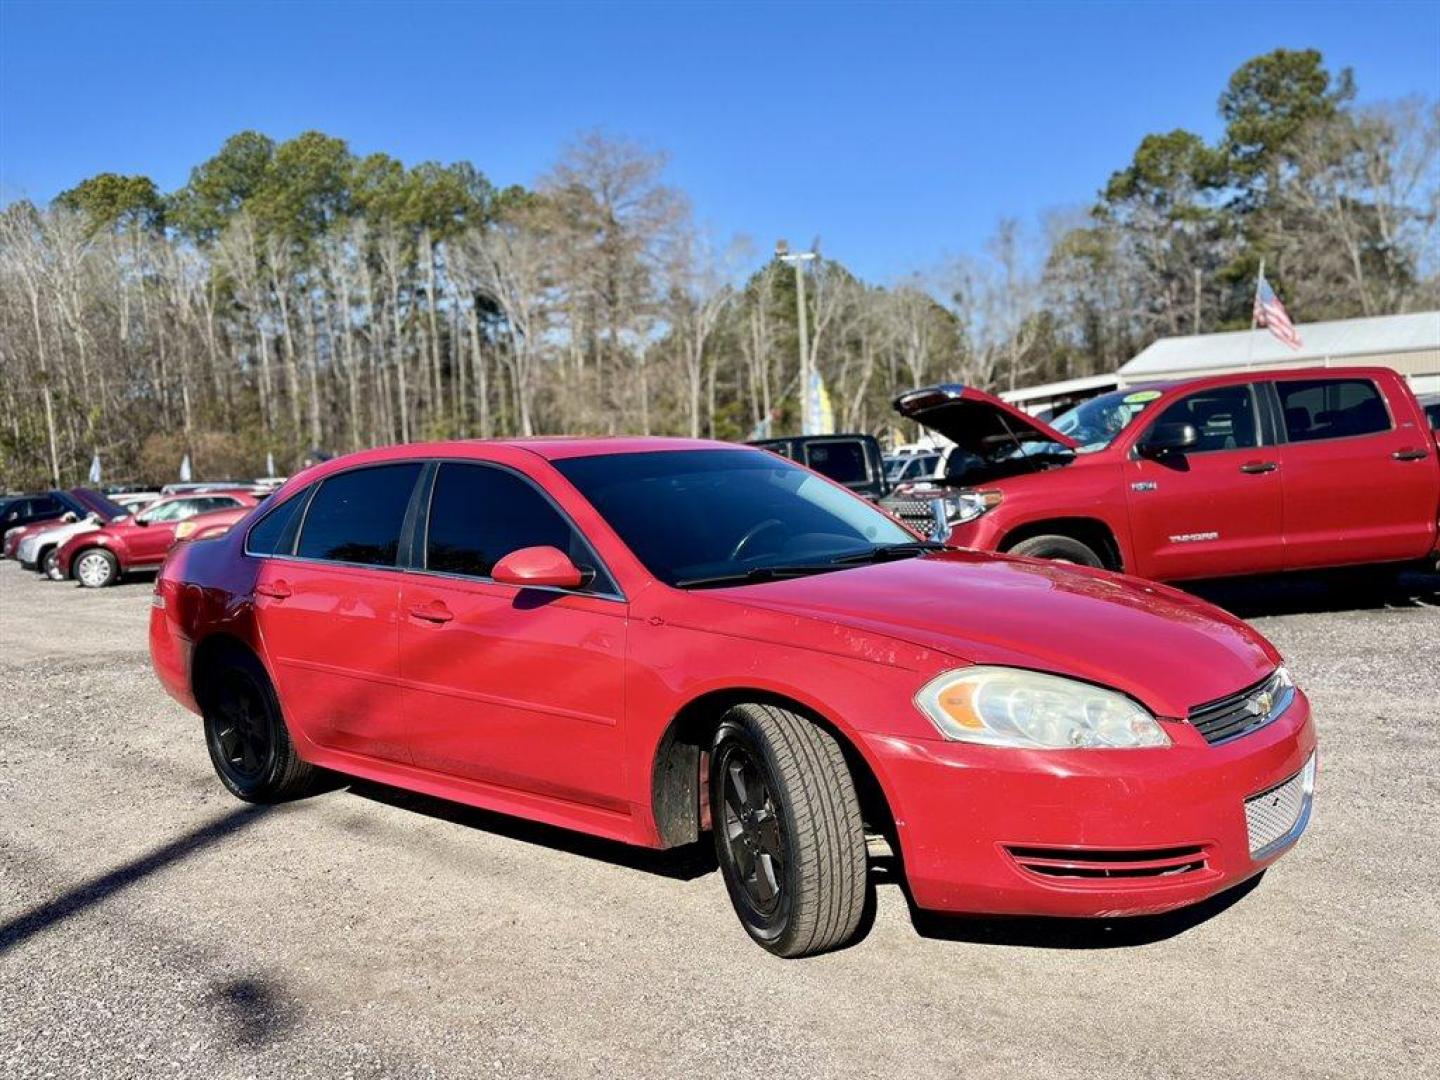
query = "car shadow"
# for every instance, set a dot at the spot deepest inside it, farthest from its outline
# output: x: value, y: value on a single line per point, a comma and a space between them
x: 1364, y: 589
x: 684, y: 863
x: 697, y: 860
x: 1038, y: 932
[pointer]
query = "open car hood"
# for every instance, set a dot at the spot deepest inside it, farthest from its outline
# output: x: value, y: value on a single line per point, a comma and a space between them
x: 977, y: 422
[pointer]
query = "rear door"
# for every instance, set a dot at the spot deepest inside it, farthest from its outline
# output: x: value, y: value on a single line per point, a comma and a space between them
x: 155, y: 531
x: 1214, y: 509
x: 328, y: 611
x: 519, y: 688
x: 1360, y: 477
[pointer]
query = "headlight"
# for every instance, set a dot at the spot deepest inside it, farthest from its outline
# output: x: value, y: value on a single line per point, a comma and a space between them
x: 969, y: 505
x: 1000, y: 706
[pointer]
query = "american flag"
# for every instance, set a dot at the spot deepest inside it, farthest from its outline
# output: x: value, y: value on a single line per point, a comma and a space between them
x: 1270, y: 313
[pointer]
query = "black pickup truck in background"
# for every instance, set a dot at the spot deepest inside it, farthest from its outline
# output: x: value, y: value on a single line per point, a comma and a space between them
x: 852, y: 460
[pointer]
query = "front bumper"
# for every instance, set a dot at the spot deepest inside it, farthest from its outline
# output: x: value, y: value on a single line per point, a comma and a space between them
x: 1090, y: 832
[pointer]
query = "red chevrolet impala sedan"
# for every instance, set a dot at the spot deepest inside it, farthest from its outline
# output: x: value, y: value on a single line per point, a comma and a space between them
x: 651, y: 639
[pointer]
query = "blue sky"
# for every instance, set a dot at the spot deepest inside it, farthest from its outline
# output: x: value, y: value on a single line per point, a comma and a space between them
x: 898, y: 133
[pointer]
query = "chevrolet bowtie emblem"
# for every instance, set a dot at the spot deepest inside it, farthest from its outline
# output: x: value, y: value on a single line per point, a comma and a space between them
x: 1260, y: 704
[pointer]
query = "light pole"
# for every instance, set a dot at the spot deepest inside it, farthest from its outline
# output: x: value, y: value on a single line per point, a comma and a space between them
x: 797, y: 259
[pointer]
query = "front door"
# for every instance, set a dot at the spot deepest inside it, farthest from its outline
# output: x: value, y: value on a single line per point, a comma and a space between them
x: 329, y: 614
x: 1215, y: 508
x: 1359, y: 483
x: 519, y: 688
x: 154, y: 531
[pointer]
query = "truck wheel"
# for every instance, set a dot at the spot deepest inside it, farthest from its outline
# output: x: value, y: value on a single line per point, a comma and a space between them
x: 788, y: 831
x: 1058, y: 549
x: 245, y: 733
x: 95, y: 568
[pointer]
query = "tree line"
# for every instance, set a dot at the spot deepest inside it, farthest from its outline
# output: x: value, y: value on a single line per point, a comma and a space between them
x: 296, y: 295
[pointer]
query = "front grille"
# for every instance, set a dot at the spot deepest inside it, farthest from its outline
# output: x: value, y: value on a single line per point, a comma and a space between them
x: 1244, y: 712
x: 917, y: 513
x: 1109, y: 864
x: 1277, y: 817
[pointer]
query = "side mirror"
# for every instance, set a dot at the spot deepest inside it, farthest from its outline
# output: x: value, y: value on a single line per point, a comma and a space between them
x: 535, y: 566
x: 1165, y: 439
x: 940, y: 529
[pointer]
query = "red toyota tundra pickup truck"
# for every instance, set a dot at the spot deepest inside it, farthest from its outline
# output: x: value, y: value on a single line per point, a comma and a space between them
x: 1236, y: 474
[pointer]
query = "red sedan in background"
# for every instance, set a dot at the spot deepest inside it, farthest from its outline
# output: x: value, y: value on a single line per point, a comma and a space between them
x: 649, y: 639
x: 141, y: 542
x: 210, y: 525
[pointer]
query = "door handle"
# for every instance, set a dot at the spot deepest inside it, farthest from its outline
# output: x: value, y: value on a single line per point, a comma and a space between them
x: 433, y: 612
x: 277, y: 590
x: 1259, y: 467
x: 1409, y: 455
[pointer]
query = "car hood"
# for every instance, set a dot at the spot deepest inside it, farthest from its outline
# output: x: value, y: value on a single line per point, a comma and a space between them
x: 1160, y: 646
x: 974, y: 420
x: 59, y: 534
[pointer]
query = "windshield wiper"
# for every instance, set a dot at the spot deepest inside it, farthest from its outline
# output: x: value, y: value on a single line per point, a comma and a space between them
x: 903, y: 550
x: 757, y: 574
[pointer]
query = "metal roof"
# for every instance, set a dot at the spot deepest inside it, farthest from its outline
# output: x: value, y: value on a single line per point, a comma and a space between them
x: 1259, y: 348
x: 1054, y: 389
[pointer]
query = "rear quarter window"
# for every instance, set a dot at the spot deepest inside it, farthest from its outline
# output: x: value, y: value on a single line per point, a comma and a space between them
x: 274, y: 534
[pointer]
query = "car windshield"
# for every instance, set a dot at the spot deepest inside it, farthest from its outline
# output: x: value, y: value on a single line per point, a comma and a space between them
x: 1096, y: 423
x: 107, y: 508
x: 713, y: 517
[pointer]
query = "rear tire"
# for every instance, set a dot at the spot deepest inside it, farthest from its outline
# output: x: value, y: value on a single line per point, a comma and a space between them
x: 1058, y: 549
x: 788, y: 831
x: 246, y: 735
x: 95, y: 568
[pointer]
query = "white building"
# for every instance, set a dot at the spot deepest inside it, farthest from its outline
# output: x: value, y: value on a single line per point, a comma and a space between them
x: 1051, y: 399
x: 1408, y: 343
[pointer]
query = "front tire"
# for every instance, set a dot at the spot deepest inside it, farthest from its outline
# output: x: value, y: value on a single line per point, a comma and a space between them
x: 1057, y: 548
x: 96, y: 568
x: 50, y: 565
x: 788, y: 831
x: 246, y: 735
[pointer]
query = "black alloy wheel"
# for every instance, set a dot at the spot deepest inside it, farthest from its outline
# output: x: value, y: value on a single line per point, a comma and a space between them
x: 242, y: 736
x: 753, y: 831
x: 788, y: 831
x: 241, y: 740
x: 246, y: 735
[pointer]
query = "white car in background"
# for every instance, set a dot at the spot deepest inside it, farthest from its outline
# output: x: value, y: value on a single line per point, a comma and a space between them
x: 37, y: 551
x: 135, y: 501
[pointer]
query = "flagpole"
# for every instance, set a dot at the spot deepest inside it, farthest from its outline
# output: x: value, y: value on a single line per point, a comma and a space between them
x: 1254, y: 302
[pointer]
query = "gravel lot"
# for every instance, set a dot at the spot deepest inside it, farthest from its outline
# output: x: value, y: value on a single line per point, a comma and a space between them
x: 151, y: 925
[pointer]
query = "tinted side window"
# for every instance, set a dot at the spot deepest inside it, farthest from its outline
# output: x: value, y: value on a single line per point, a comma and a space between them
x: 275, y: 532
x: 356, y: 517
x: 213, y: 502
x: 47, y: 505
x: 169, y: 511
x: 479, y: 514
x: 1331, y: 408
x: 1223, y: 417
x: 840, y: 461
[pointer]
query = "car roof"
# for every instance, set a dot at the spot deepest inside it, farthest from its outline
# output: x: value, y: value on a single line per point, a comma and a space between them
x: 1231, y: 377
